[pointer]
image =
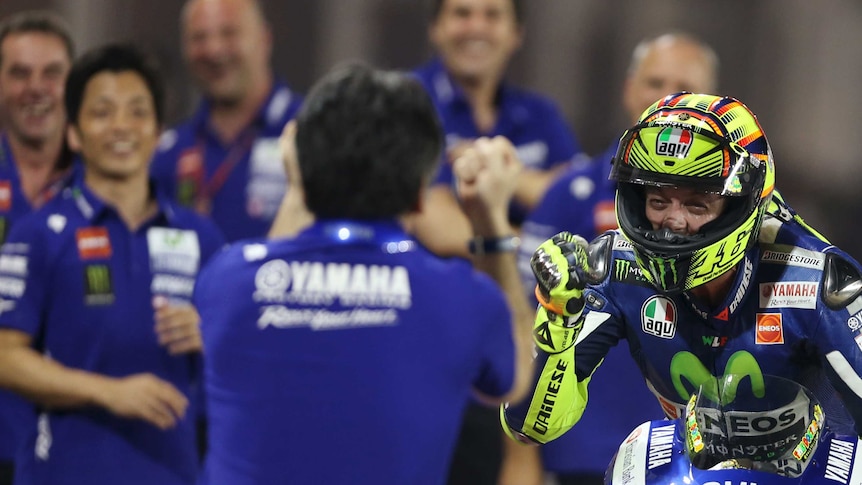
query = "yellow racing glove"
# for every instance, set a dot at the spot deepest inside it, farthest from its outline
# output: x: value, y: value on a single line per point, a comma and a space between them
x: 560, y: 266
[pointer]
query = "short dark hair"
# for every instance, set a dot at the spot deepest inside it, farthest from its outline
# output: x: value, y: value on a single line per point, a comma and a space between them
x: 367, y: 140
x: 114, y: 58
x: 517, y: 6
x: 39, y: 21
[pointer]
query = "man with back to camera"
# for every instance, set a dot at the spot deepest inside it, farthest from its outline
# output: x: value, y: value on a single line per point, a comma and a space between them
x: 342, y: 341
x: 731, y: 280
x: 224, y: 162
x: 36, y: 52
x: 581, y: 201
x: 98, y: 329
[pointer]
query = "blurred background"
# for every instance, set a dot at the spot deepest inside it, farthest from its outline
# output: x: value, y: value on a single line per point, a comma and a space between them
x: 796, y: 63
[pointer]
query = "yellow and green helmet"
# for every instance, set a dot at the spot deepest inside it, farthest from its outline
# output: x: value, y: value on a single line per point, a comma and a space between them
x: 707, y: 143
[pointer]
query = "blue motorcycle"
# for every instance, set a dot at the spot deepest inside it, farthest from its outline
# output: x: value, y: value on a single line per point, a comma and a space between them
x: 740, y: 430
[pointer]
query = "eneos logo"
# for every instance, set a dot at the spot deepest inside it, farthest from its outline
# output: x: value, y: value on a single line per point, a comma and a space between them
x: 658, y: 317
x: 769, y: 329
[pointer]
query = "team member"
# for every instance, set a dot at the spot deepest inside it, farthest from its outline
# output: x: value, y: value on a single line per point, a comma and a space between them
x: 335, y: 342
x: 224, y: 161
x: 36, y: 52
x: 474, y: 41
x: 728, y: 280
x: 581, y: 201
x: 99, y: 281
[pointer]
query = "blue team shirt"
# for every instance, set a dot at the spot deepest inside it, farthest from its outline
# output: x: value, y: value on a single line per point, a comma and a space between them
x: 774, y: 320
x: 345, y: 355
x: 581, y: 201
x: 240, y: 184
x: 531, y: 122
x: 75, y: 278
x: 16, y: 414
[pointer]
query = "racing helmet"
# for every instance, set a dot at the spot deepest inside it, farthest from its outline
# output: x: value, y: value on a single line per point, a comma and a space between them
x: 703, y: 142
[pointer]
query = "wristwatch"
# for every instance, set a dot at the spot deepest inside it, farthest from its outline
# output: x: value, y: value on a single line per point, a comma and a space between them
x: 481, y: 245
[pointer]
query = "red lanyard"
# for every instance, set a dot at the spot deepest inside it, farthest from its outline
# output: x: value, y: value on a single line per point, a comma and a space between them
x: 208, y: 189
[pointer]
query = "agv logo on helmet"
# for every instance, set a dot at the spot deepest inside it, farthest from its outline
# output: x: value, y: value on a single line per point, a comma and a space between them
x: 673, y: 142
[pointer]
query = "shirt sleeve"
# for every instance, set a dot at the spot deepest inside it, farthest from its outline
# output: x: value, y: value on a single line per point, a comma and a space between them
x: 497, y: 369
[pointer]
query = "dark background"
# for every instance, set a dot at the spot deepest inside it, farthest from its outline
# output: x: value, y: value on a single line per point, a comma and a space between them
x: 796, y: 63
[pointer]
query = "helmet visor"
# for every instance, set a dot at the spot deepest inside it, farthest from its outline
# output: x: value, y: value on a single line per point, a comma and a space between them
x: 669, y: 153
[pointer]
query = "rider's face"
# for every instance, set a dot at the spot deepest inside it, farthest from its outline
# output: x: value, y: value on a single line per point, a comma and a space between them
x: 682, y: 210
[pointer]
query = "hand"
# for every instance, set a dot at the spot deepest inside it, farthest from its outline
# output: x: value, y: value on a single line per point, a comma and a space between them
x: 146, y: 397
x: 293, y: 215
x: 487, y: 174
x: 455, y: 151
x: 178, y: 327
x: 560, y: 266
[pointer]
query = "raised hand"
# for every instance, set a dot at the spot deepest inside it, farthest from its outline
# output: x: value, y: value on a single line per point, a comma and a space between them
x: 559, y: 265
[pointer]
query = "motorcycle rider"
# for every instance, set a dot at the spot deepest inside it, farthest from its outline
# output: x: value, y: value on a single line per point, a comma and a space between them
x: 711, y: 273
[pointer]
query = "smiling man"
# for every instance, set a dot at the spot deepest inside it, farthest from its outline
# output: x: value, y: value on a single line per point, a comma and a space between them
x: 475, y: 41
x: 581, y: 201
x: 711, y: 273
x: 224, y: 161
x: 100, y: 280
x: 35, y: 55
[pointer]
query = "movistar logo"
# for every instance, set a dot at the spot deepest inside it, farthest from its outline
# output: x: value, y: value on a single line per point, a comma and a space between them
x: 685, y: 367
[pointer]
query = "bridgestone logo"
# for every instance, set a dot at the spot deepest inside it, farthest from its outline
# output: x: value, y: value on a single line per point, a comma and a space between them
x: 795, y: 258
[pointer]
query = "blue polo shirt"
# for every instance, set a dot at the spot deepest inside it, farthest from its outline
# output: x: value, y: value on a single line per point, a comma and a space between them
x: 16, y: 414
x: 581, y: 201
x: 239, y: 184
x: 530, y: 121
x: 74, y: 277
x: 339, y: 357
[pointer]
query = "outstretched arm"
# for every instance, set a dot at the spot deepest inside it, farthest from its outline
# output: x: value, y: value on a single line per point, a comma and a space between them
x: 486, y: 176
x: 558, y: 401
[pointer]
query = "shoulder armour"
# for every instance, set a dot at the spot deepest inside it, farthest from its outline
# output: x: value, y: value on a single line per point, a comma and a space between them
x: 599, y: 257
x: 841, y: 282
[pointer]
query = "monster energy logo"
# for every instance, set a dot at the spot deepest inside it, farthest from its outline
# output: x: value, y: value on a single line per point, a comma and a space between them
x: 621, y: 269
x: 625, y: 272
x: 686, y: 365
x: 97, y: 284
x: 664, y: 272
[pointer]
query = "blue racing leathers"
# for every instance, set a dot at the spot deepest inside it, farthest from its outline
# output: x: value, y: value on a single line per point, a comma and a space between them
x: 793, y: 309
